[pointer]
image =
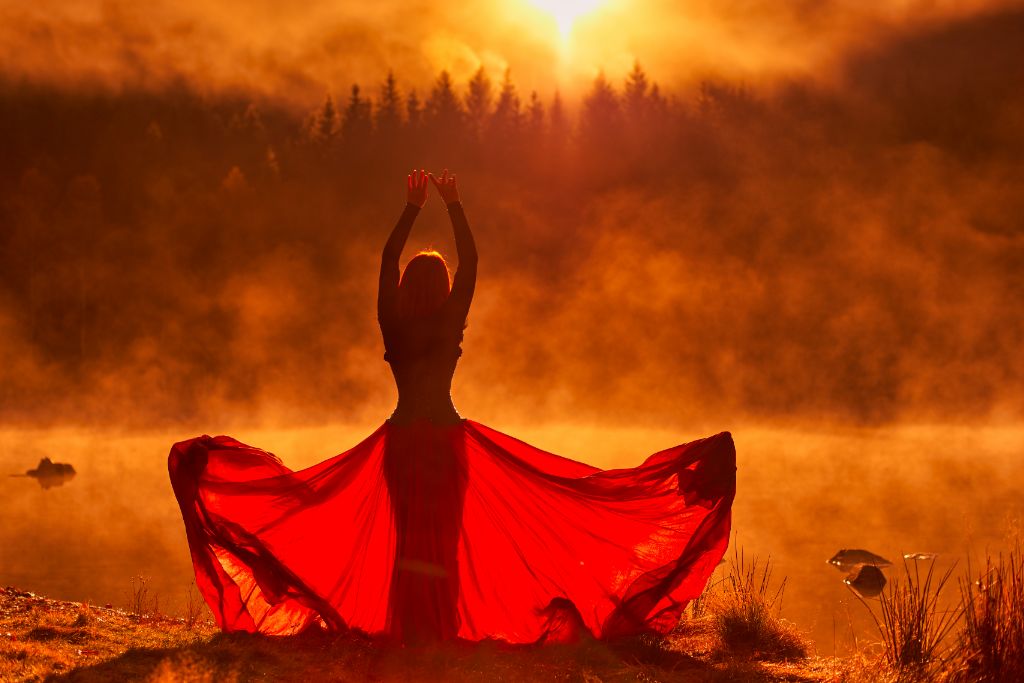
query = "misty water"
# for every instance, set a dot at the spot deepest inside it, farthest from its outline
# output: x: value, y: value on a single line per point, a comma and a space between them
x: 802, y: 495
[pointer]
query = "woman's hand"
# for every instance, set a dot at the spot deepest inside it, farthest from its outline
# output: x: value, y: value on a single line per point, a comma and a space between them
x: 446, y: 187
x: 416, y: 184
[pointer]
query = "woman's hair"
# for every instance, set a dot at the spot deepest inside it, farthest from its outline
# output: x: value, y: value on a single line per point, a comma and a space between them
x: 424, y: 286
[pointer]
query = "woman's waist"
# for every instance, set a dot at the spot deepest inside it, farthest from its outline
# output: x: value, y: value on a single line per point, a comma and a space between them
x: 437, y: 408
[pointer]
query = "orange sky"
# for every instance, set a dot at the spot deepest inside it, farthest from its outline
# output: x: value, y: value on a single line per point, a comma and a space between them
x: 286, y: 53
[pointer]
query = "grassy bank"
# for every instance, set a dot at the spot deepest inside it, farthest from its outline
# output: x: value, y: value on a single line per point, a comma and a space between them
x: 43, y: 639
x: 926, y: 631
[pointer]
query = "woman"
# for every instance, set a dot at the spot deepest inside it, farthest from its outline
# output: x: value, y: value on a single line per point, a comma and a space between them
x: 436, y: 527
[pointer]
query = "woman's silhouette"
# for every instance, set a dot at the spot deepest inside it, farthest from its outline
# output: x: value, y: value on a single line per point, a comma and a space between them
x: 436, y: 527
x: 421, y: 319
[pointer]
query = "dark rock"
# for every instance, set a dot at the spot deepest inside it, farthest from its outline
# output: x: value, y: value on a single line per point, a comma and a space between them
x: 50, y: 474
x: 866, y: 580
x: 846, y: 559
x: 920, y: 556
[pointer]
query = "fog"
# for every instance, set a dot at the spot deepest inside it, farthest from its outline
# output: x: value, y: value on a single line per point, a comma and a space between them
x: 280, y: 53
x: 802, y: 251
x: 802, y: 495
x: 804, y: 225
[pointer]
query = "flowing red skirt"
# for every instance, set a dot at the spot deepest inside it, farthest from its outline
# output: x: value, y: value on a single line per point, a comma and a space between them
x: 423, y: 532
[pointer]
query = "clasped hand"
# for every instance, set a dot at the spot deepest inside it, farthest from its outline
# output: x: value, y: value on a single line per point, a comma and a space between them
x: 417, y: 185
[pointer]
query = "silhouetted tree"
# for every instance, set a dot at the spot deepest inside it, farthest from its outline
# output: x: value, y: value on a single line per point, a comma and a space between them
x: 507, y: 117
x: 535, y: 118
x: 478, y: 103
x: 248, y: 123
x: 657, y: 102
x: 324, y: 126
x: 721, y: 100
x: 356, y: 122
x: 413, y: 111
x: 444, y: 113
x: 388, y: 116
x: 635, y: 95
x: 600, y: 123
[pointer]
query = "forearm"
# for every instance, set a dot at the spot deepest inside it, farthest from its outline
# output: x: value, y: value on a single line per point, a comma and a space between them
x: 400, y: 234
x: 387, y: 287
x: 464, y: 244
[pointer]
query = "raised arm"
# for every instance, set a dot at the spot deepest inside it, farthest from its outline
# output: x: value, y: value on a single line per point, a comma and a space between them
x: 465, y: 277
x: 387, y: 287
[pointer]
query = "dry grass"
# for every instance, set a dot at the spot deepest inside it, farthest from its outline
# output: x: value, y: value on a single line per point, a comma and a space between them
x: 195, y: 607
x: 44, y: 639
x: 698, y: 608
x: 139, y: 602
x: 746, y: 613
x: 991, y: 643
x: 913, y: 623
x: 41, y: 638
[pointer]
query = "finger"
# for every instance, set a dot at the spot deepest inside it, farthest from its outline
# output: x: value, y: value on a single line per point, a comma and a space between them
x: 434, y: 180
x: 408, y: 181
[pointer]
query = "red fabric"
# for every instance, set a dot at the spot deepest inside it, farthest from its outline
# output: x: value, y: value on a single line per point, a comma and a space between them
x: 423, y: 532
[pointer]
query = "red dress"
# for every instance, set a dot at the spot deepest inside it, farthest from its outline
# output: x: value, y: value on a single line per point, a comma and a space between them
x: 491, y: 538
x: 435, y: 527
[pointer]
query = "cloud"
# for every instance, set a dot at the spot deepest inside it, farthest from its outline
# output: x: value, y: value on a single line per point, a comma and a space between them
x: 294, y: 54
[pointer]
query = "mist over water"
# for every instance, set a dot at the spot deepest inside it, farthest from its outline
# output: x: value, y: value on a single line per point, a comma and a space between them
x: 828, y: 262
x: 803, y: 495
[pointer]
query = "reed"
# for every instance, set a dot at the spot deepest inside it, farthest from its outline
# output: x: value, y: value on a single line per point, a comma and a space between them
x: 913, y: 624
x: 991, y: 642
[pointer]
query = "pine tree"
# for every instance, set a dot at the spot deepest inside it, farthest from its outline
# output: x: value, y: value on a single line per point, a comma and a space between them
x: 324, y: 126
x: 635, y: 96
x: 356, y: 123
x: 535, y: 118
x: 388, y: 116
x: 414, y: 111
x: 601, y: 118
x: 248, y: 123
x: 443, y: 112
x: 507, y: 117
x: 478, y: 102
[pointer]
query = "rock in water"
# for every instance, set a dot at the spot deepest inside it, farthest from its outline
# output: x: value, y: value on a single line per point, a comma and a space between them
x: 846, y: 559
x: 50, y: 474
x: 866, y: 580
x: 920, y: 556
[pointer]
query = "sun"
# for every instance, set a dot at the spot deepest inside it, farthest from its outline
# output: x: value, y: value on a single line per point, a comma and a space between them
x: 566, y: 12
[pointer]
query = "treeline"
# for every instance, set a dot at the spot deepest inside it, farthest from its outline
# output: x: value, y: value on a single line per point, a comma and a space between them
x: 630, y: 127
x: 169, y: 256
x: 494, y: 123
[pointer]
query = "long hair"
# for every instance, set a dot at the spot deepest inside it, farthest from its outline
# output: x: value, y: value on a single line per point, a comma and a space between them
x: 424, y: 286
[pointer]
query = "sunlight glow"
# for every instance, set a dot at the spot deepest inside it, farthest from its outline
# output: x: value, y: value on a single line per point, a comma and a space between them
x: 566, y: 12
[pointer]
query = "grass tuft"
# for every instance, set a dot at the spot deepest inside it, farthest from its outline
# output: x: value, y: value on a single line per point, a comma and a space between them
x: 991, y: 643
x: 913, y: 624
x: 139, y: 602
x: 745, y: 613
x: 84, y: 616
x: 195, y: 607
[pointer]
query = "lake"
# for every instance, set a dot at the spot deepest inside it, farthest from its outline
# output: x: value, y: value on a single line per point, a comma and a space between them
x: 802, y: 495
